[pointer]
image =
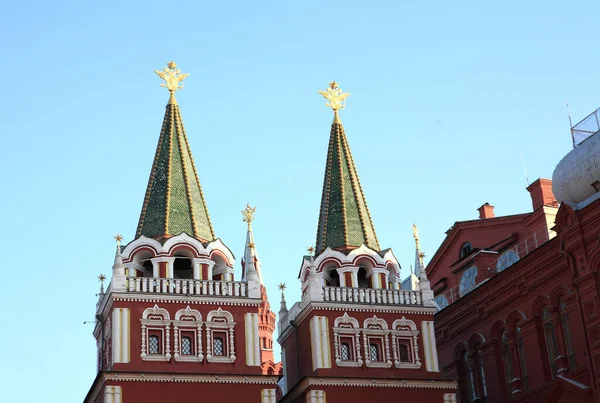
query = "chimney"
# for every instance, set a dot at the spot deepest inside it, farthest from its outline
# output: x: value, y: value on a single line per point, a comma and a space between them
x: 486, y: 211
x: 541, y: 194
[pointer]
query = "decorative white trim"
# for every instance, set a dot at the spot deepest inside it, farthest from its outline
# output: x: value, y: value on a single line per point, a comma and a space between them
x: 377, y: 328
x: 316, y: 396
x: 188, y: 320
x: 450, y: 398
x: 120, y: 335
x: 156, y: 318
x: 220, y: 320
x: 154, y: 312
x: 191, y: 378
x: 252, y: 339
x: 406, y: 330
x: 112, y: 394
x: 268, y: 396
x: 320, y: 346
x: 350, y: 328
x: 431, y: 359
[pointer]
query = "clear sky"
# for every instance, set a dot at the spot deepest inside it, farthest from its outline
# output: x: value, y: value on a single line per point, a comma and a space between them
x: 445, y: 95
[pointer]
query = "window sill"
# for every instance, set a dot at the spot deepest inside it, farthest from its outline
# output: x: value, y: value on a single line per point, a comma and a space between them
x: 155, y: 357
x: 189, y: 358
x: 226, y: 359
x: 407, y: 365
x: 341, y: 363
x: 378, y: 364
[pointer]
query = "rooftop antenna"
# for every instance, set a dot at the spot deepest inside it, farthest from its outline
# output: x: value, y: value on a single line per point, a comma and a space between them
x: 524, y: 170
x: 570, y: 123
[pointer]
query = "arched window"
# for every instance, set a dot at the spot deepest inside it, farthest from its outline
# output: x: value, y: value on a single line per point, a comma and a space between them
x: 550, y: 336
x: 521, y: 352
x: 506, y: 259
x: 469, y: 377
x: 363, y: 282
x: 346, y: 334
x: 441, y: 301
x: 186, y: 345
x: 564, y: 319
x: 335, y: 278
x: 465, y: 250
x: 182, y: 268
x: 220, y: 336
x: 507, y: 361
x: 467, y: 280
x: 154, y: 344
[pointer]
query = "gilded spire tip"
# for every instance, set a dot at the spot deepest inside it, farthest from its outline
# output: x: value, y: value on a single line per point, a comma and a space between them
x: 248, y: 214
x: 336, y: 99
x: 173, y: 79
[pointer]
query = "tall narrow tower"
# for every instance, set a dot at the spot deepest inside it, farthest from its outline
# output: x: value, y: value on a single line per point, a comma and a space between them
x: 355, y: 332
x: 174, y: 325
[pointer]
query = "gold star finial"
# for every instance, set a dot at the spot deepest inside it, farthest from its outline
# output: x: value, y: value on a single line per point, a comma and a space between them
x: 118, y: 239
x: 172, y: 76
x: 281, y: 287
x: 421, y: 255
x: 335, y: 96
x: 311, y: 250
x: 248, y: 214
x: 101, y: 278
x: 251, y: 245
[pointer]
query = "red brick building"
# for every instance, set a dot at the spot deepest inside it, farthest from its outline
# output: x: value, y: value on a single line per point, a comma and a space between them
x: 519, y: 296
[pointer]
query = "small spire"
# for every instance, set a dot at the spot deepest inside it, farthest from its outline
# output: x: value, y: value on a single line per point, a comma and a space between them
x: 283, y: 307
x: 173, y: 77
x: 419, y: 255
x: 416, y: 235
x: 101, y: 279
x: 250, y: 261
x: 336, y: 98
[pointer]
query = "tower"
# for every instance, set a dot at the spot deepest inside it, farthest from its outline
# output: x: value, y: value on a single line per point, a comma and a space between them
x: 174, y: 323
x: 356, y: 332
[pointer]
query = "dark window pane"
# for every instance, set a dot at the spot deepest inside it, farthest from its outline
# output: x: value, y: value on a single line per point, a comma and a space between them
x: 186, y: 346
x: 218, y: 346
x: 153, y: 345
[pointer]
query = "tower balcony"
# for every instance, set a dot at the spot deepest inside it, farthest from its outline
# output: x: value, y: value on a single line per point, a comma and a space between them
x: 187, y: 287
x: 372, y: 296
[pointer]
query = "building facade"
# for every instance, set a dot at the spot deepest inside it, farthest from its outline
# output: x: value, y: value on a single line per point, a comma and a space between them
x: 175, y: 323
x: 518, y: 295
x: 356, y: 333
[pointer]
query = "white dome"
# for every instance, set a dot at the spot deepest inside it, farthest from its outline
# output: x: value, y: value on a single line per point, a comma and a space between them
x: 576, y: 174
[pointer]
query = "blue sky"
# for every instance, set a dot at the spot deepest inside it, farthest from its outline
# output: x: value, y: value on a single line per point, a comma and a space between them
x: 445, y: 95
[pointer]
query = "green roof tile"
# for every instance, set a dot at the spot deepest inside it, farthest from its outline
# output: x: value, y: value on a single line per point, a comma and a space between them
x: 344, y: 220
x: 174, y: 202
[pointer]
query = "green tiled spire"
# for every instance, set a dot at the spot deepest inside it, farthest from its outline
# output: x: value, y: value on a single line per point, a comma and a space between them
x: 174, y: 202
x: 344, y: 220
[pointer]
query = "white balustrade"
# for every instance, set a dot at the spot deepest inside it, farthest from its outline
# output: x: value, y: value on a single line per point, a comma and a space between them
x: 372, y: 296
x: 187, y: 286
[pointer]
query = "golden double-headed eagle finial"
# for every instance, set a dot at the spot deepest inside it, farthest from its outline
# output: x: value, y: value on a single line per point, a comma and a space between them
x: 172, y: 76
x: 335, y: 96
x: 248, y: 214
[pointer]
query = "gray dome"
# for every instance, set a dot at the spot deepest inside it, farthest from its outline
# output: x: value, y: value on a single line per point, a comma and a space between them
x: 577, y: 175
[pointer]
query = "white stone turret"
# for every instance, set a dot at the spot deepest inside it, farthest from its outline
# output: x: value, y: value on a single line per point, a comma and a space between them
x: 313, y: 286
x: 119, y: 281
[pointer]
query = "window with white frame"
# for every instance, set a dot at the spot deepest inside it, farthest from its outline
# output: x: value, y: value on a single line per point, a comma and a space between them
x: 405, y: 344
x: 346, y: 336
x: 156, y: 343
x: 376, y: 343
x: 220, y: 336
x: 187, y: 334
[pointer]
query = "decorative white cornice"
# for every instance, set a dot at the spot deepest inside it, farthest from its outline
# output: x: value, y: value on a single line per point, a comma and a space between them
x: 225, y: 378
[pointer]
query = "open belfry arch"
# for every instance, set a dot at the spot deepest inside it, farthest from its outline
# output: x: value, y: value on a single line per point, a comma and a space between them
x: 177, y: 324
